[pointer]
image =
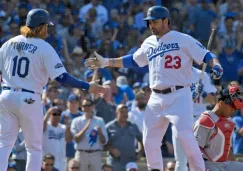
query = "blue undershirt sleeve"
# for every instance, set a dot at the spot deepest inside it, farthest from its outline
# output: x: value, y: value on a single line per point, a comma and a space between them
x: 208, y: 57
x: 128, y: 62
x: 69, y: 80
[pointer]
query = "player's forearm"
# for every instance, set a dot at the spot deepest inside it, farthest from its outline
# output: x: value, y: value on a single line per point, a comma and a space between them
x: 211, y: 59
x: 122, y: 62
x: 69, y: 80
x: 115, y: 62
x: 214, y: 61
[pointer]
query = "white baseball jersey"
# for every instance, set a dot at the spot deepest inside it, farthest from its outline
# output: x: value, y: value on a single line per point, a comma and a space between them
x: 170, y: 59
x: 199, y: 106
x: 54, y: 143
x: 28, y: 63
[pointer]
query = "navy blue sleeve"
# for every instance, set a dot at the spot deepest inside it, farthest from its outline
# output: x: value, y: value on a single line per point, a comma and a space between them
x: 128, y: 62
x: 69, y: 80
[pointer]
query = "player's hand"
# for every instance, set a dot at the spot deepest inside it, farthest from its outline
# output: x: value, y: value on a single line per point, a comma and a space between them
x: 95, y: 88
x: 97, y: 62
x: 217, y: 72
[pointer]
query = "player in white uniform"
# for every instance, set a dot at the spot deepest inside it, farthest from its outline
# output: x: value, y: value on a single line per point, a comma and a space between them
x: 205, y: 93
x: 26, y: 64
x: 169, y: 55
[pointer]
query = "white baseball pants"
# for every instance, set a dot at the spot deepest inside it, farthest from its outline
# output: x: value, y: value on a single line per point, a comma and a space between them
x: 180, y: 157
x: 175, y: 107
x: 15, y: 114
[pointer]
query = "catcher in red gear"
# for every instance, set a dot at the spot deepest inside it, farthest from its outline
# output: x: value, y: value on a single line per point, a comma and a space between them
x: 214, y: 129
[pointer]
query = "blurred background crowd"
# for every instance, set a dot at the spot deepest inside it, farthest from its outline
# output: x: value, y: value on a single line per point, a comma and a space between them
x: 115, y: 28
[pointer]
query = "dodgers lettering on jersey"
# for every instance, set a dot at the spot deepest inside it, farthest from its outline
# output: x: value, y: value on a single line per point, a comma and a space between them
x: 170, y: 59
x: 28, y: 63
x: 199, y: 106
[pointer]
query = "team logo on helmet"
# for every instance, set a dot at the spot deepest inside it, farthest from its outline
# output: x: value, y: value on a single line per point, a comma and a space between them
x: 149, y: 12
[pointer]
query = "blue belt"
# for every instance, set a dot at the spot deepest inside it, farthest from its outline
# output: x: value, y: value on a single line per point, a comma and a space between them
x: 22, y: 89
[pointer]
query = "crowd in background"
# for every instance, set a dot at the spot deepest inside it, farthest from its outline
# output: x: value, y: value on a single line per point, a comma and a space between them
x: 115, y: 28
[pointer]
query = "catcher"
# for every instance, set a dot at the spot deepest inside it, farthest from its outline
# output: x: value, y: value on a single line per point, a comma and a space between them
x: 214, y: 129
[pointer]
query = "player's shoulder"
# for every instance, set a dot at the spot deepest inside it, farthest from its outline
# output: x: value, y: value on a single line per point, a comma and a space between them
x: 149, y: 39
x: 207, y: 120
x: 181, y: 35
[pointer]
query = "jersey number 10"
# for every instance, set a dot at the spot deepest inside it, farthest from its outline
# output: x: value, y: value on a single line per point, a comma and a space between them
x: 18, y: 63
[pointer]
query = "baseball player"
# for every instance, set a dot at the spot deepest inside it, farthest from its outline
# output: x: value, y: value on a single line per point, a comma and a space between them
x: 169, y: 55
x: 26, y: 63
x: 205, y: 93
x: 214, y: 129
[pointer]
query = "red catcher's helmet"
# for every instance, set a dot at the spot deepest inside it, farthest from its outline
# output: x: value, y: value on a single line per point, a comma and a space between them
x: 232, y: 95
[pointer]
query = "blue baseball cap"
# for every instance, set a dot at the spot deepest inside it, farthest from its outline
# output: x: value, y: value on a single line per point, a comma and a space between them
x: 72, y: 97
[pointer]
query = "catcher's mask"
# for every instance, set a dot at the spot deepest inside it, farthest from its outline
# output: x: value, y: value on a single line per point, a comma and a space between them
x: 232, y: 96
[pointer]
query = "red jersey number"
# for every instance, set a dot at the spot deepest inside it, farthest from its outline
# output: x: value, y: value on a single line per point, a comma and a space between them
x: 169, y: 64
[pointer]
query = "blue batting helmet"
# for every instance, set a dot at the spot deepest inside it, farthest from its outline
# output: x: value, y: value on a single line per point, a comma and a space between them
x: 157, y: 12
x: 37, y: 17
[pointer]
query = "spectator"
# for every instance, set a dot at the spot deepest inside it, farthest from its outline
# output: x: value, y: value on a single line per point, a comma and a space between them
x: 48, y: 163
x: 136, y: 115
x: 228, y: 32
x: 55, y: 137
x: 20, y: 151
x: 73, y: 165
x: 122, y: 82
x: 104, y: 107
x: 71, y: 113
x: 147, y: 90
x: 55, y: 40
x: 90, y: 135
x: 201, y: 22
x: 170, y: 166
x: 74, y: 62
x: 102, y: 13
x: 230, y: 59
x: 122, y: 135
x: 238, y: 134
x: 107, y: 167
x: 93, y: 24
x: 51, y: 94
x: 131, y: 166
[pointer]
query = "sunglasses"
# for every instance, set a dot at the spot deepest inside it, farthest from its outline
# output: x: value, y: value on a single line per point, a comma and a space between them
x: 87, y: 105
x: 46, y: 164
x: 56, y: 114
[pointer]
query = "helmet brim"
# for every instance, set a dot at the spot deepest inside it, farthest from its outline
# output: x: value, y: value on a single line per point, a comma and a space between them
x: 149, y: 18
